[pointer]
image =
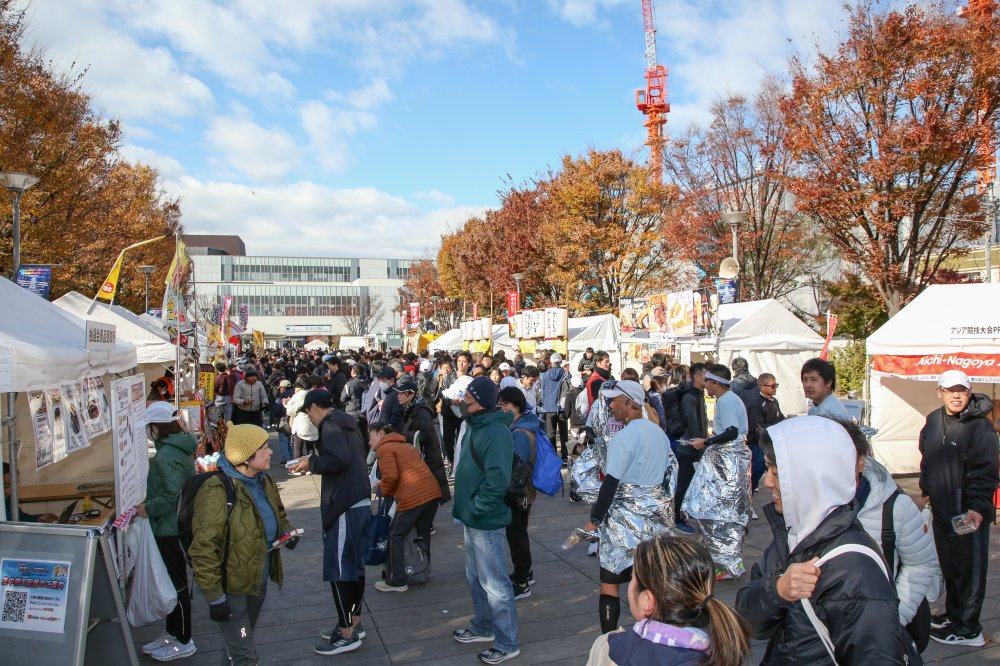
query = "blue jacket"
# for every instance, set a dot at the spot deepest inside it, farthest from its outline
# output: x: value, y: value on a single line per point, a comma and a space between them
x: 552, y: 382
x: 522, y: 443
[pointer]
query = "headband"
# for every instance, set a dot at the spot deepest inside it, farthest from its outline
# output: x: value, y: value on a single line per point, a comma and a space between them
x: 716, y: 378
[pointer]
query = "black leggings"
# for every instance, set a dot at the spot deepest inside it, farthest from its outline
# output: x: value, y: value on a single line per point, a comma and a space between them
x: 179, y: 620
x: 348, y: 597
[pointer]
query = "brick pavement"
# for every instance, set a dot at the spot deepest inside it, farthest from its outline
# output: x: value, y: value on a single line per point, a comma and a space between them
x: 558, y: 623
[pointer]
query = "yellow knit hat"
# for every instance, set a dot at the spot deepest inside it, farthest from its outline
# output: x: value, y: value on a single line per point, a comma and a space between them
x: 242, y: 441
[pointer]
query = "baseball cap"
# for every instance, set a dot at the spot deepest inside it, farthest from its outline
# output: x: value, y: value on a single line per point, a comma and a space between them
x: 406, y: 386
x: 319, y: 397
x: 627, y: 388
x: 387, y: 373
x: 327, y: 357
x: 284, y: 383
x: 161, y: 412
x: 504, y: 366
x: 952, y: 378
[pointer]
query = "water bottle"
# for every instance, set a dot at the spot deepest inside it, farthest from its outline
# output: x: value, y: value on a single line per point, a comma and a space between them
x: 571, y: 541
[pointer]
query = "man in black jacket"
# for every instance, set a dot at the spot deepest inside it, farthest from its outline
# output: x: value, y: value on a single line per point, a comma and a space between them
x: 811, y: 470
x: 420, y: 426
x: 336, y: 380
x: 695, y: 420
x: 345, y: 508
x: 763, y: 411
x: 958, y: 475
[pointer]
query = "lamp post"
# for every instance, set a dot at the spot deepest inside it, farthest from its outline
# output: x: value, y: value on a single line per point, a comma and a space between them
x: 735, y: 220
x: 517, y: 280
x: 16, y: 183
x: 434, y: 302
x: 147, y: 271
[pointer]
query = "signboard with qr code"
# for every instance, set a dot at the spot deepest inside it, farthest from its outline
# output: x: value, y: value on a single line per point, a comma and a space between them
x: 33, y: 595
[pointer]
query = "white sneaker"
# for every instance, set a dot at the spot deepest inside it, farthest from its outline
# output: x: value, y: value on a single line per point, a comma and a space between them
x: 162, y: 640
x: 174, y: 650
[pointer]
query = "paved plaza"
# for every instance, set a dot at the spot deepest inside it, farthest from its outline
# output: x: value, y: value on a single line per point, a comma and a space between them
x: 558, y: 623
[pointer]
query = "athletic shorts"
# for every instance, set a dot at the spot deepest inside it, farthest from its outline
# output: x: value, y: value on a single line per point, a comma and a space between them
x: 616, y: 578
x: 344, y: 545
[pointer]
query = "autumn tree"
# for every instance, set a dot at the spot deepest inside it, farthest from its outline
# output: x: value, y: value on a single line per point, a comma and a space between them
x: 740, y: 161
x: 423, y: 285
x: 887, y: 131
x: 89, y: 203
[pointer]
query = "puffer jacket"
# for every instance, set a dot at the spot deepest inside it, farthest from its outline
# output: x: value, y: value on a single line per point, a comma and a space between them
x: 404, y: 473
x: 958, y: 468
x: 302, y: 427
x: 920, y: 571
x: 247, y: 545
x: 255, y: 393
x: 853, y: 598
x: 172, y: 465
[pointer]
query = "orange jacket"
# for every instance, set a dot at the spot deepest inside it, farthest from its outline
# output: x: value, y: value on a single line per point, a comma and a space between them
x: 405, y: 475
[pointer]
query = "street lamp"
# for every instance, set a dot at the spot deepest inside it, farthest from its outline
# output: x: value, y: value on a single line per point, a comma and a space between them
x: 147, y: 271
x: 517, y: 280
x: 735, y: 220
x: 17, y: 183
x: 434, y: 301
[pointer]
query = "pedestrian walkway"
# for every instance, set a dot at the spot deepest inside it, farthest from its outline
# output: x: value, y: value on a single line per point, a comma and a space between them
x: 558, y: 622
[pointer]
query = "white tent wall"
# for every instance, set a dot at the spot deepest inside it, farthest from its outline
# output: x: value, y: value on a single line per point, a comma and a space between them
x: 450, y: 341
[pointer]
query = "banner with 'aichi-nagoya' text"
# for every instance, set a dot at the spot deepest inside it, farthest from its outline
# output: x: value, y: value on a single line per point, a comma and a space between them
x: 979, y: 367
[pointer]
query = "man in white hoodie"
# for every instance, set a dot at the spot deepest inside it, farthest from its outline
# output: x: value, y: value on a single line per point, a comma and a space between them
x: 811, y: 471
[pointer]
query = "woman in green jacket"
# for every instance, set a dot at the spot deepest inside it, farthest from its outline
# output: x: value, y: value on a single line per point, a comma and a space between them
x: 256, y: 520
x: 172, y: 465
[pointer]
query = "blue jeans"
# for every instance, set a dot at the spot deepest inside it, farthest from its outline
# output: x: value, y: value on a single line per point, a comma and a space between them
x: 492, y: 592
x: 284, y: 446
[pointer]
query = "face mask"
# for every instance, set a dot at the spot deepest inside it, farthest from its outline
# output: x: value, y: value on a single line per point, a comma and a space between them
x: 463, y: 407
x: 384, y: 386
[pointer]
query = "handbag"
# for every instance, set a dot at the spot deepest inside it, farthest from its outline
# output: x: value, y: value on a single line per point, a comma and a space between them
x: 911, y: 657
x: 377, y: 551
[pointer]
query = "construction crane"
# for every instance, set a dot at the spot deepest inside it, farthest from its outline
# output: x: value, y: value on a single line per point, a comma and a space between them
x: 983, y: 10
x: 653, y: 100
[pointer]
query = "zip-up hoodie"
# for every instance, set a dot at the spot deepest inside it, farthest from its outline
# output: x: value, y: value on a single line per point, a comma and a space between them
x: 959, y: 469
x: 479, y: 491
x: 552, y: 382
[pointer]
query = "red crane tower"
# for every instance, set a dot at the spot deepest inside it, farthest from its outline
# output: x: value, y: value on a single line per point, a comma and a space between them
x: 983, y: 10
x: 653, y: 100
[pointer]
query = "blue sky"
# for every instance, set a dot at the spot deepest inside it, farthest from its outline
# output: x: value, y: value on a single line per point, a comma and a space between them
x: 369, y: 127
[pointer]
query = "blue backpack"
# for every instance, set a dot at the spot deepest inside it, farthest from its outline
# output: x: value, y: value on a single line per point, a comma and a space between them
x: 546, y: 474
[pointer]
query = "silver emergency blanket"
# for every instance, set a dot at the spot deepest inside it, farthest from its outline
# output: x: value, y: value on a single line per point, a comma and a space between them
x: 717, y: 502
x: 637, y: 513
x: 585, y: 479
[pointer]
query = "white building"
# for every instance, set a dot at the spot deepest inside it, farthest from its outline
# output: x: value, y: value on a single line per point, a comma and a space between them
x: 296, y: 296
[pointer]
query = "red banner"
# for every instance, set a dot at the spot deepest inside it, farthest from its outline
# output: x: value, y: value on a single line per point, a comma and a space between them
x: 475, y: 309
x: 414, y: 315
x: 513, y: 304
x: 831, y: 327
x: 402, y: 321
x: 979, y: 367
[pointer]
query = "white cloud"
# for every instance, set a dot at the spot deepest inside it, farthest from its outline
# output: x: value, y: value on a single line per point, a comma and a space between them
x: 260, y: 153
x: 168, y: 167
x: 436, y: 197
x: 329, y: 126
x: 584, y: 12
x: 307, y: 219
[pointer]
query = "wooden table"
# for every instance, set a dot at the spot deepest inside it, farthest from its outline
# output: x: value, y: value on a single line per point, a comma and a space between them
x: 59, y: 492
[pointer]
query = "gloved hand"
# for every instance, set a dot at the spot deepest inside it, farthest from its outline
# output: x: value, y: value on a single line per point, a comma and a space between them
x: 220, y: 612
x: 292, y: 543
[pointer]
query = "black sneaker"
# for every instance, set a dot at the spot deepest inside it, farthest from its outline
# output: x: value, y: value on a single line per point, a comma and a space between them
x: 469, y: 636
x: 358, y: 631
x: 530, y: 581
x: 521, y: 591
x: 954, y: 637
x: 495, y: 656
x: 338, y: 645
x: 940, y: 621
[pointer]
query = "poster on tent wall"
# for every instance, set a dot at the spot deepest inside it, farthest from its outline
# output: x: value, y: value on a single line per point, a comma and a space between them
x: 979, y: 367
x: 38, y: 405
x: 76, y: 436
x: 657, y: 319
x: 97, y: 411
x: 680, y: 314
x: 128, y: 420
x: 53, y: 399
x: 633, y: 315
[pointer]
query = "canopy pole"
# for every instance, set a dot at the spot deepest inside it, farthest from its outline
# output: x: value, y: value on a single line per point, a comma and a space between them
x: 12, y: 455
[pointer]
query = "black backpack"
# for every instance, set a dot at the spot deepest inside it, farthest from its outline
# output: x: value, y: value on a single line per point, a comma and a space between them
x: 185, y: 513
x: 919, y: 627
x: 671, y: 399
x: 520, y: 477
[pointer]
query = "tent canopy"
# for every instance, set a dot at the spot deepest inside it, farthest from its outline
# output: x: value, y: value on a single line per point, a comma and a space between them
x: 766, y: 325
x: 41, y: 345
x: 317, y: 345
x: 151, y: 346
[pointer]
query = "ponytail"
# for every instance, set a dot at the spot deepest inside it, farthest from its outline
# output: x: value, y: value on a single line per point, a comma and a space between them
x: 728, y: 634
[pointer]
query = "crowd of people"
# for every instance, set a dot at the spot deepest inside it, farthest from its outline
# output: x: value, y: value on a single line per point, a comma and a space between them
x: 850, y: 574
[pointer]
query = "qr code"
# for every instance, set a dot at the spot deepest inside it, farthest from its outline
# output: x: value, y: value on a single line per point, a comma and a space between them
x: 14, y: 606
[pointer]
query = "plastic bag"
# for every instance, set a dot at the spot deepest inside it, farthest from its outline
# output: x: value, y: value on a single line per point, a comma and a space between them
x: 377, y: 550
x: 152, y: 596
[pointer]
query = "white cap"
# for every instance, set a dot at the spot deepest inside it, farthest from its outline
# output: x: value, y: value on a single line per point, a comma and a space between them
x: 504, y: 367
x: 950, y: 378
x: 161, y: 412
x: 426, y: 365
x: 628, y: 388
x: 556, y: 358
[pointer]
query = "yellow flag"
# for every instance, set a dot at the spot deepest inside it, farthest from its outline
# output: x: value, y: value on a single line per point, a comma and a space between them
x: 179, y: 266
x: 110, y: 286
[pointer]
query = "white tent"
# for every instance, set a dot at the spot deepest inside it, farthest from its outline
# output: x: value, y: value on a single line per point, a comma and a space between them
x: 945, y: 327
x: 152, y: 346
x: 317, y: 345
x: 41, y: 345
x: 771, y: 339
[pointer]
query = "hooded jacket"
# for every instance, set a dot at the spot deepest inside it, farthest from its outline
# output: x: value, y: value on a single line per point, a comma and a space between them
x: 914, y: 546
x: 341, y: 461
x: 693, y: 414
x: 958, y: 470
x: 479, y: 492
x: 421, y: 418
x: 855, y: 600
x: 553, y: 381
x: 302, y: 427
x: 172, y: 465
x: 405, y: 475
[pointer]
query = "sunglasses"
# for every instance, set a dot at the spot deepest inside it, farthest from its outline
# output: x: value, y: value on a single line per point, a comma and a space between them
x: 770, y: 385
